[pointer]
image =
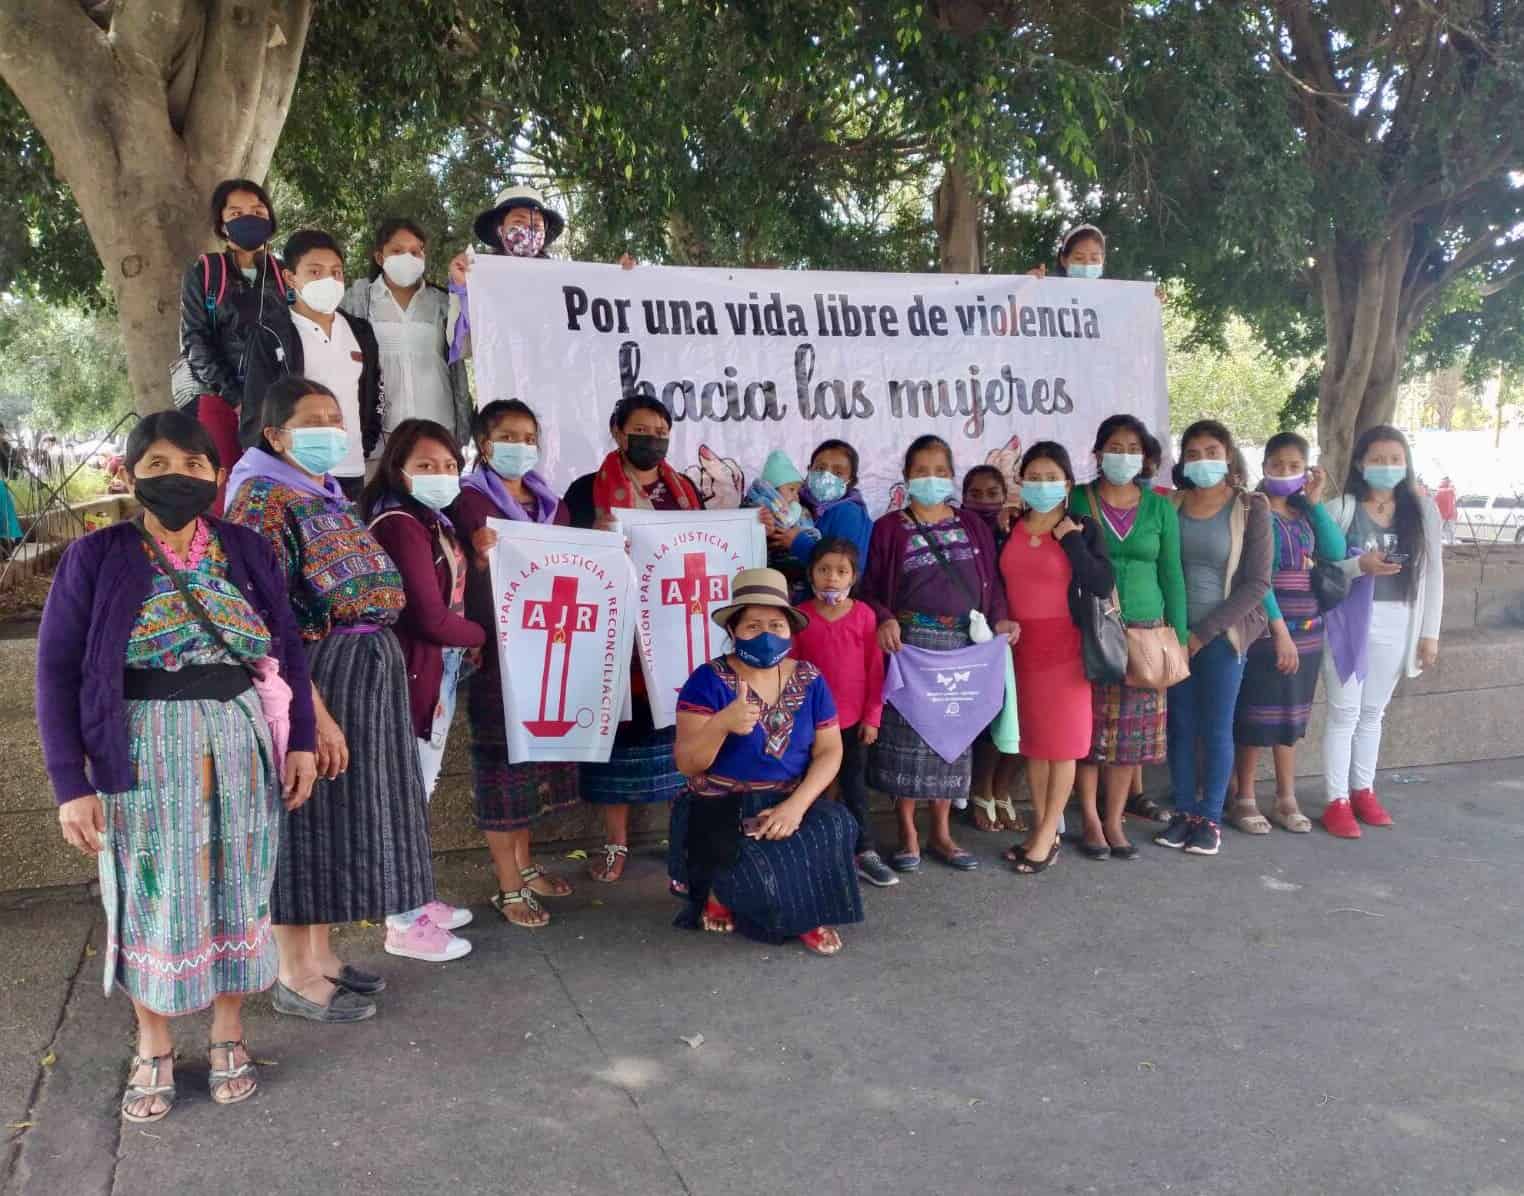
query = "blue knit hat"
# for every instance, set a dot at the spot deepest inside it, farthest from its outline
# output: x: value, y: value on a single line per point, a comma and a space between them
x: 779, y: 470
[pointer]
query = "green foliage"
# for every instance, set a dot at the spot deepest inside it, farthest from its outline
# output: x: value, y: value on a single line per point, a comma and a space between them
x: 62, y: 368
x: 1239, y: 382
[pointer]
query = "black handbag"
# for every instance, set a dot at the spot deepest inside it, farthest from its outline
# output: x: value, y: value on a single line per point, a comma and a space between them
x: 1329, y: 584
x: 1103, y: 640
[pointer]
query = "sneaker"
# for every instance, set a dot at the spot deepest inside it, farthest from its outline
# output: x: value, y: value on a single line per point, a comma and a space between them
x: 871, y: 867
x: 1205, y: 838
x: 446, y: 917
x: 1367, y: 809
x: 423, y: 940
x: 1176, y: 833
x: 1339, y: 820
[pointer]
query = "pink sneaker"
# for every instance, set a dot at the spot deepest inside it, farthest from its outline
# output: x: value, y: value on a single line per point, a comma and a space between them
x: 425, y: 941
x: 447, y: 917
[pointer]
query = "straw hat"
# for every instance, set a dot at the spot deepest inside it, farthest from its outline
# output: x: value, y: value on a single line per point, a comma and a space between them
x: 759, y: 587
x: 487, y: 223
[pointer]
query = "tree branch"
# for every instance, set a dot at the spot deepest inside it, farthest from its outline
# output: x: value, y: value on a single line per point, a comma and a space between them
x: 1504, y: 280
x: 283, y: 64
x: 148, y: 35
x: 220, y: 122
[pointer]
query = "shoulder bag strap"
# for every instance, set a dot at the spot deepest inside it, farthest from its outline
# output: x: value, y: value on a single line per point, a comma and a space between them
x: 941, y: 558
x: 195, y: 604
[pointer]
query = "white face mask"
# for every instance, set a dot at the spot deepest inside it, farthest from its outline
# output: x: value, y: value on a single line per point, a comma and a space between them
x: 323, y: 295
x: 404, y: 269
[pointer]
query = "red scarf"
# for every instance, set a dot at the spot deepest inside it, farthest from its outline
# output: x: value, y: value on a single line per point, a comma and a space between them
x: 613, y: 488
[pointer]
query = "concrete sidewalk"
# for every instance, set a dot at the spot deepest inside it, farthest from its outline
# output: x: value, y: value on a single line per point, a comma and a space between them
x: 1297, y: 1015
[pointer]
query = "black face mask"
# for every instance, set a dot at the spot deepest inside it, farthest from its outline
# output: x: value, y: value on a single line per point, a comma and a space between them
x: 646, y: 452
x: 173, y: 498
x: 249, y: 232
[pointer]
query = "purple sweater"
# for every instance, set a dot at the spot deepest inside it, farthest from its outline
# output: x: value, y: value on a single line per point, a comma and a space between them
x: 101, y: 585
x: 886, y: 556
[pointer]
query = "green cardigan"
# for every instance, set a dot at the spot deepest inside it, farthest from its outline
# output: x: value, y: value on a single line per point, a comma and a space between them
x: 1327, y: 545
x: 1150, y: 581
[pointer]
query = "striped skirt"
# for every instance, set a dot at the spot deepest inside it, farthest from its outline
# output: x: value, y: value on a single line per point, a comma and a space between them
x: 640, y: 769
x: 1273, y: 708
x: 359, y: 849
x: 1128, y: 726
x: 507, y: 796
x: 902, y: 764
x: 189, y: 856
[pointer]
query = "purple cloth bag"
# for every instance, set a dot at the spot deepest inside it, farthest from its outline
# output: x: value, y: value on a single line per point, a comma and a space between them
x: 948, y: 697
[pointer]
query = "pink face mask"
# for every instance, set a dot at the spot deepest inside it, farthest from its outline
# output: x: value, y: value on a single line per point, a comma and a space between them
x: 522, y: 240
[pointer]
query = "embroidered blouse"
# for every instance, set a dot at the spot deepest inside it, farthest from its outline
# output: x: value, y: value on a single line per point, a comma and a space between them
x: 778, y: 748
x: 167, y: 633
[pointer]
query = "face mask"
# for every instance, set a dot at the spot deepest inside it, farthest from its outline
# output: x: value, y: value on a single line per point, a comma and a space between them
x: 1284, y: 487
x: 249, y: 232
x: 1384, y: 477
x: 764, y: 650
x: 1091, y: 270
x: 173, y: 498
x: 1121, y: 468
x: 404, y: 269
x: 520, y: 240
x: 434, y: 490
x: 317, y: 450
x: 987, y: 511
x: 1042, y: 497
x: 323, y: 295
x: 930, y: 492
x: 513, y: 460
x: 831, y: 597
x: 825, y: 485
x: 646, y: 452
x: 1205, y: 473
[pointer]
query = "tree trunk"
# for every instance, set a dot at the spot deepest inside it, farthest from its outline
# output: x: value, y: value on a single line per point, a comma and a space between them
x: 143, y: 117
x: 955, y: 212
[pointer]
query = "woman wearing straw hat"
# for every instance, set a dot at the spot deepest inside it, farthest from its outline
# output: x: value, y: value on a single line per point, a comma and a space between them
x: 758, y: 741
x: 519, y: 224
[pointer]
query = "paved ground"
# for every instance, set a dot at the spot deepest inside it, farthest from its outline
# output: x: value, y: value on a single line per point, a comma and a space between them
x: 1298, y: 1015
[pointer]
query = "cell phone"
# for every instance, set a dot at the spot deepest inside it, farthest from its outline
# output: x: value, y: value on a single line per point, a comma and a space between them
x: 751, y: 826
x: 1396, y: 558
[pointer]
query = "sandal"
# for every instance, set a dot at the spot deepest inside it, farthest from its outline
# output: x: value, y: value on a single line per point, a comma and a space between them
x: 610, y: 867
x: 823, y: 940
x: 135, y: 1093
x: 1010, y: 820
x: 983, y: 814
x: 1027, y: 866
x: 1251, y: 824
x: 219, y: 1080
x: 1296, y: 822
x: 505, y: 901
x: 1146, y: 808
x: 557, y: 886
x: 716, y: 918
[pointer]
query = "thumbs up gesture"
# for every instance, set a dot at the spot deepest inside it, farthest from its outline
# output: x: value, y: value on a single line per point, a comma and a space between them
x: 740, y: 716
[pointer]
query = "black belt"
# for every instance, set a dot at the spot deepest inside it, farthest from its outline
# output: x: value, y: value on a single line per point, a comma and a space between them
x: 191, y: 683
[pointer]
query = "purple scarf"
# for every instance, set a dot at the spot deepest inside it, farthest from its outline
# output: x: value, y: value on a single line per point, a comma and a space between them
x: 484, y: 480
x: 948, y: 697
x: 258, y: 465
x: 817, y: 508
x: 390, y: 502
x: 1347, y: 628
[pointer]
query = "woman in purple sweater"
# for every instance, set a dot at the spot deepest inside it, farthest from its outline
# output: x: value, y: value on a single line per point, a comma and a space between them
x: 162, y: 760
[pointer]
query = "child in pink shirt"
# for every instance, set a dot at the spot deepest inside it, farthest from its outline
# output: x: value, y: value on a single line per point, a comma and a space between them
x: 840, y: 638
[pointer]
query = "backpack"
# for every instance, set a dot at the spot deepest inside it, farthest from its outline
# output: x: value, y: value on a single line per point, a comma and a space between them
x: 184, y: 387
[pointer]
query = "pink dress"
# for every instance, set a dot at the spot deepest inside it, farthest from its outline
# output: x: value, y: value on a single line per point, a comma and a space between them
x: 1052, y: 695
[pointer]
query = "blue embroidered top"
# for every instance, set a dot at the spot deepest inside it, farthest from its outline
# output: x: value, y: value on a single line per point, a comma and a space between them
x: 779, y: 746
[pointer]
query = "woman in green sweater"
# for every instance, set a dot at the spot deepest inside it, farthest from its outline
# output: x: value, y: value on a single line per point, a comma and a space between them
x: 1142, y: 537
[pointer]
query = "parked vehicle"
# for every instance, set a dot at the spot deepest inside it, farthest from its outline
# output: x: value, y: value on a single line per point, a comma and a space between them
x: 1490, y: 519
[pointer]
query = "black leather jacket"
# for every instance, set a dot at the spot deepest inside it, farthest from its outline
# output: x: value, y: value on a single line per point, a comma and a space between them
x: 213, y: 339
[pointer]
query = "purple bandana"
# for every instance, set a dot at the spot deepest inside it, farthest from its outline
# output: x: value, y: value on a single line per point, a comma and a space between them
x: 484, y: 480
x: 259, y: 465
x: 948, y: 697
x: 1348, y: 627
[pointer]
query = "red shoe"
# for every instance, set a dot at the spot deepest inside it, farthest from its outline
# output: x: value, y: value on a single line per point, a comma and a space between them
x: 1338, y: 819
x: 1367, y: 809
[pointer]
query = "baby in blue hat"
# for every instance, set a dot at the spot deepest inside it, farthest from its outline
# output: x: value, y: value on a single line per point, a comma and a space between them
x: 777, y: 489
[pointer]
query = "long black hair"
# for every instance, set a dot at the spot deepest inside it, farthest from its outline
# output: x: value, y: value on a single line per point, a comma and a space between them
x: 389, y: 479
x: 1407, y: 519
x: 1210, y: 429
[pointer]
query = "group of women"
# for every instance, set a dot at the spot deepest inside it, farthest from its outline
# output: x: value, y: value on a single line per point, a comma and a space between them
x: 244, y: 717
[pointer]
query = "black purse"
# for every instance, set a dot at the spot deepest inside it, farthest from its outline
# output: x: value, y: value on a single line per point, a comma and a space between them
x: 1103, y: 640
x: 1329, y: 585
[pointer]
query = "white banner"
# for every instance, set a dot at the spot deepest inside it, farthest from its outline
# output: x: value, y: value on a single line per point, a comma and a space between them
x: 752, y: 360
x: 684, y: 562
x: 563, y: 598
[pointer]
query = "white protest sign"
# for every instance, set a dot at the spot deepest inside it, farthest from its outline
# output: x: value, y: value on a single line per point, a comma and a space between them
x: 752, y: 360
x: 563, y: 605
x: 684, y: 562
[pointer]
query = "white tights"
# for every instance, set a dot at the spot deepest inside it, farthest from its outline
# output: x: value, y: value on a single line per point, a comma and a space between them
x: 1352, y: 738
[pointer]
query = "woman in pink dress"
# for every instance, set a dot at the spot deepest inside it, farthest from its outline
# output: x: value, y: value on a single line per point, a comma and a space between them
x: 1050, y: 564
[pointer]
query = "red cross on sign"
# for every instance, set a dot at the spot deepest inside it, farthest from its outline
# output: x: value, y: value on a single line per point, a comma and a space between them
x: 561, y: 618
x: 697, y: 590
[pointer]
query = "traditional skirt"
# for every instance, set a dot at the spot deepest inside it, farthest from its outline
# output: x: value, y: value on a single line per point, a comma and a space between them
x: 359, y: 849
x: 506, y: 796
x: 777, y: 889
x: 189, y: 856
x: 1272, y: 707
x: 640, y: 768
x: 1128, y: 726
x: 902, y: 764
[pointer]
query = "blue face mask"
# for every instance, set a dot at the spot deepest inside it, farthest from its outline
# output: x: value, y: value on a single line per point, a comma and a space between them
x: 764, y: 650
x: 825, y: 485
x: 1205, y: 473
x: 513, y: 460
x: 930, y: 492
x: 434, y: 490
x: 317, y: 450
x: 1384, y: 477
x: 1090, y: 270
x: 1044, y: 496
x: 1121, y: 468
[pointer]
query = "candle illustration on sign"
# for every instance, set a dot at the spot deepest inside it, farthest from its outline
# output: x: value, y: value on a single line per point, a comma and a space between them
x: 697, y: 590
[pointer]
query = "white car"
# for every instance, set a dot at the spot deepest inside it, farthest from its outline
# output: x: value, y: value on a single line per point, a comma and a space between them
x: 1495, y: 519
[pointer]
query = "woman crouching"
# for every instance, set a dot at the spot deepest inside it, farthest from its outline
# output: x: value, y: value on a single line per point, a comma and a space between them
x: 757, y: 739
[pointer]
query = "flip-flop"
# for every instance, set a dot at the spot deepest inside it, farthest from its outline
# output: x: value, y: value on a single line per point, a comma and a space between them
x: 987, y: 807
x: 958, y: 861
x: 905, y: 861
